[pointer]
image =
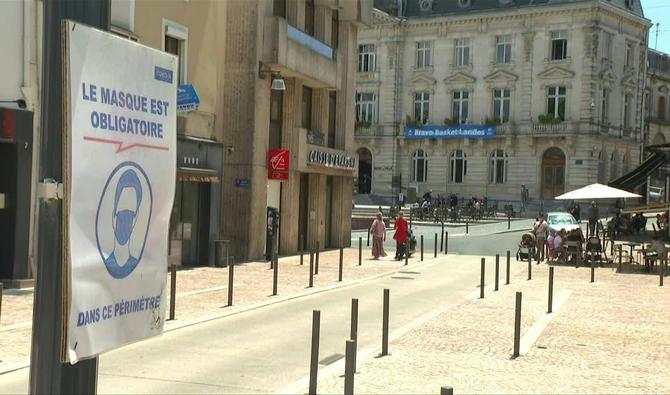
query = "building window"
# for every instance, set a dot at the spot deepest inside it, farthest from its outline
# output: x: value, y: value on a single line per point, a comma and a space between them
x: 501, y: 103
x: 626, y: 111
x: 559, y: 45
x: 332, y: 118
x: 503, y: 49
x: 604, y: 105
x: 607, y: 45
x: 306, y: 108
x: 366, y: 107
x: 460, y: 106
x: 614, y: 161
x: 366, y: 58
x: 629, y: 54
x: 661, y: 107
x: 458, y: 166
x: 279, y: 8
x: 335, y: 29
x: 419, y: 166
x: 423, y: 54
x: 309, y: 17
x: 462, y: 54
x: 175, y: 41
x: 556, y: 102
x: 421, y: 107
x: 498, y: 167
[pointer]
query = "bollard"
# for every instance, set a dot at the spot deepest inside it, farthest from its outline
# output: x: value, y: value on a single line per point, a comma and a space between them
x: 410, y: 219
x: 517, y: 325
x: 442, y: 239
x: 593, y: 272
x: 497, y: 272
x: 508, y: 222
x: 231, y: 273
x: 314, y: 361
x: 302, y: 248
x: 421, y: 248
x: 530, y: 267
x: 620, y: 261
x: 368, y: 242
x: 435, y: 247
x: 316, y: 260
x: 311, y: 269
x: 349, y: 368
x: 537, y: 256
x: 385, y: 324
x: 481, y: 279
x: 446, y: 243
x: 275, y: 274
x: 507, y: 270
x: 354, y: 327
x: 339, y: 274
x: 661, y: 270
x: 550, y: 303
x: 446, y: 391
x: 173, y: 290
x: 360, y: 251
x: 1, y: 289
x: 406, y: 247
x: 466, y: 227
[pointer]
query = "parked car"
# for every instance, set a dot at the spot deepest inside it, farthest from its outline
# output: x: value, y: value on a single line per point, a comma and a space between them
x: 560, y: 220
x: 656, y: 193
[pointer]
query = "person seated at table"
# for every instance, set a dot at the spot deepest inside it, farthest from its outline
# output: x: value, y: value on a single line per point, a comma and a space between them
x: 659, y: 251
x: 575, y: 235
x: 639, y: 222
x: 550, y: 245
x: 559, y: 245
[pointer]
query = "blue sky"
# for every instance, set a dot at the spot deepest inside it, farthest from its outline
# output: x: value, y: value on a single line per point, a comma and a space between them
x: 658, y: 11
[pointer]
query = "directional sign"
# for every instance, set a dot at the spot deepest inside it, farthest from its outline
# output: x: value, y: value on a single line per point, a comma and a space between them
x: 119, y: 189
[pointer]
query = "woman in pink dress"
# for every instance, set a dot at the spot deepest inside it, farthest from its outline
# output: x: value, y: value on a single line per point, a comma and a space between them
x: 378, y: 232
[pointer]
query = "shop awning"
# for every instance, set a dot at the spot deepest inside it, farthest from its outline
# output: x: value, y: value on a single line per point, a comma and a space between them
x: 197, y: 175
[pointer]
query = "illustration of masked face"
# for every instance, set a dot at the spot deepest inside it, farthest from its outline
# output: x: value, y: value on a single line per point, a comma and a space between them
x: 125, y: 215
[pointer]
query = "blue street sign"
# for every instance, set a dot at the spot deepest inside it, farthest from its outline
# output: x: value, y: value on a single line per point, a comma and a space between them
x: 242, y: 182
x: 451, y: 132
x: 187, y: 98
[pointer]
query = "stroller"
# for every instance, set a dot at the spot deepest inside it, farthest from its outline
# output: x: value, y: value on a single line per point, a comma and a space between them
x: 526, y: 247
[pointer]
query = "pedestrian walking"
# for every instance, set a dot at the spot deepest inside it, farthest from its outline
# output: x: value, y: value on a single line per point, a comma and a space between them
x: 540, y: 237
x: 400, y: 236
x: 378, y: 232
x: 593, y: 218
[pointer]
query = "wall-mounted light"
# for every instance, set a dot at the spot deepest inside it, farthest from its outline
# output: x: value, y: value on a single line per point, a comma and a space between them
x: 278, y: 83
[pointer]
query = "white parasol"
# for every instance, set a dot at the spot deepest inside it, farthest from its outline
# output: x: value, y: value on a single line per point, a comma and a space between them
x: 596, y: 191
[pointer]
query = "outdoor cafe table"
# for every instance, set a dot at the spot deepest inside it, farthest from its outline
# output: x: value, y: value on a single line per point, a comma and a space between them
x: 631, y: 244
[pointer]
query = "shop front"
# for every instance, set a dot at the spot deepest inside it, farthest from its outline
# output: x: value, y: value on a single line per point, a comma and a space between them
x: 194, y: 225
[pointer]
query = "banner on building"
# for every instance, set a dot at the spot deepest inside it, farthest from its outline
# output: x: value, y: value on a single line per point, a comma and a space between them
x: 451, y: 132
x: 278, y: 164
x: 119, y: 183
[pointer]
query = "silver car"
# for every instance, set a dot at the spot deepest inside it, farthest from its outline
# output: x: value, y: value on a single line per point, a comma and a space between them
x: 560, y: 220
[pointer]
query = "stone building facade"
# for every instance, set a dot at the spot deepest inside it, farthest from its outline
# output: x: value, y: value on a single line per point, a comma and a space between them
x: 562, y: 81
x: 309, y: 47
x: 658, y: 98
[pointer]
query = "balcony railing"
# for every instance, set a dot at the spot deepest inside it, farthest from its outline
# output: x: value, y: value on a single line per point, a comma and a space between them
x: 305, y: 39
x: 550, y: 127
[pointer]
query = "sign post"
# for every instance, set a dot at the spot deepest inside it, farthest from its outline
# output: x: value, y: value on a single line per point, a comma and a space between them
x: 47, y: 372
x: 120, y: 164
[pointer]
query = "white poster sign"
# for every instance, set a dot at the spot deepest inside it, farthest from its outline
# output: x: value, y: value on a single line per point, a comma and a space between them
x: 120, y: 181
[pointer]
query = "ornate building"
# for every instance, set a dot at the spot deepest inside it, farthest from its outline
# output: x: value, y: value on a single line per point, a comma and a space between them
x: 557, y: 86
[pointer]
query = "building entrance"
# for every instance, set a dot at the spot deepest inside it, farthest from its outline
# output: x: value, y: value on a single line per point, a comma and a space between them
x: 190, y: 223
x: 364, y: 171
x: 553, y: 173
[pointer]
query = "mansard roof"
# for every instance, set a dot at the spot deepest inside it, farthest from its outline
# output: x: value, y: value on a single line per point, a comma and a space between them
x: 414, y: 9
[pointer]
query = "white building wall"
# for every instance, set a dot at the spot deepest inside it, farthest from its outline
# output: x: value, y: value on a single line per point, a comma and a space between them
x: 11, y: 47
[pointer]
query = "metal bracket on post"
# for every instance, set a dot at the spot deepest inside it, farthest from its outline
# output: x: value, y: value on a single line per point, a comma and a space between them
x: 50, y: 189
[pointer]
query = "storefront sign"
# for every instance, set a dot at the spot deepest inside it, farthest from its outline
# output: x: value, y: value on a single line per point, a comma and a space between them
x: 278, y: 164
x: 120, y: 180
x: 331, y: 160
x: 187, y: 98
x: 451, y: 132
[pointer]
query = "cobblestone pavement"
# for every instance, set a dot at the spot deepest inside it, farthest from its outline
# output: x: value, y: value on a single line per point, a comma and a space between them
x: 610, y: 336
x: 203, y: 292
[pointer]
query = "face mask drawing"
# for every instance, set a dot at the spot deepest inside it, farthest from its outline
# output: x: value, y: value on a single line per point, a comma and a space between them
x: 125, y: 221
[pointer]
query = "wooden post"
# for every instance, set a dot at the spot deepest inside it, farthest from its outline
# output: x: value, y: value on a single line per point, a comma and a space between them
x: 481, y: 279
x: 231, y: 273
x: 550, y: 302
x: 421, y: 248
x: 507, y: 270
x: 385, y: 324
x: 173, y: 290
x: 497, y: 272
x: 314, y: 360
x: 339, y: 274
x: 517, y: 325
